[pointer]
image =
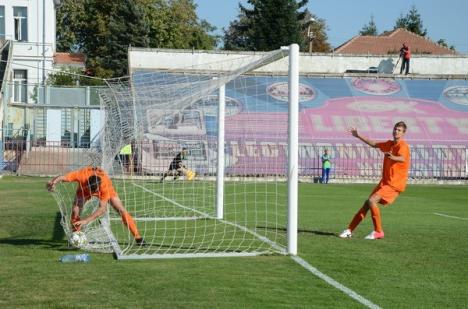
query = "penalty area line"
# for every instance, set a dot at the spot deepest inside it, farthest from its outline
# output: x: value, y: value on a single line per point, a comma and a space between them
x: 335, y: 283
x: 447, y: 216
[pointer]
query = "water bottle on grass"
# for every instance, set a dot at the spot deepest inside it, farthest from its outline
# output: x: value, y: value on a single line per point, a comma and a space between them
x: 75, y: 258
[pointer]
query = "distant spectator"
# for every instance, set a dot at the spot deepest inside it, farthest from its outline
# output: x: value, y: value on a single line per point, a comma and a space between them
x: 405, y: 55
x: 126, y: 158
x: 326, y: 166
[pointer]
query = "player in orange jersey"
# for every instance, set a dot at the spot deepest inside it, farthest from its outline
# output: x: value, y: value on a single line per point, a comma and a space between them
x: 394, y: 176
x: 93, y: 181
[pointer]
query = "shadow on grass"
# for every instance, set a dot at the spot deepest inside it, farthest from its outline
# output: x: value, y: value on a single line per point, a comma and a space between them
x: 320, y: 233
x: 57, y: 232
x: 315, y: 232
x: 57, y: 241
x: 55, y: 244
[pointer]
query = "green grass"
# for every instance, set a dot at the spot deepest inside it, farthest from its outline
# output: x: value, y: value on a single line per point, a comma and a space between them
x: 421, y: 263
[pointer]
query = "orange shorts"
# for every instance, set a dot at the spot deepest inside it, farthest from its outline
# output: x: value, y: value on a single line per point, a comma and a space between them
x: 387, y: 194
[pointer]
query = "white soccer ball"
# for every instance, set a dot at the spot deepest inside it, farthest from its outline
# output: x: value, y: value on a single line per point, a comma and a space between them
x: 78, y: 239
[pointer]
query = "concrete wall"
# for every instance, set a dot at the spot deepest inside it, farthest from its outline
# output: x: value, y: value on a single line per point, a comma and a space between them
x: 165, y: 59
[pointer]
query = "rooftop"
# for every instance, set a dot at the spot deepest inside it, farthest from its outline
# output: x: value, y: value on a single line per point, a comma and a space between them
x: 390, y: 43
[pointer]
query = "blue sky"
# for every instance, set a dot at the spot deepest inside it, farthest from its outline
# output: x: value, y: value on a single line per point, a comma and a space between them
x: 443, y: 19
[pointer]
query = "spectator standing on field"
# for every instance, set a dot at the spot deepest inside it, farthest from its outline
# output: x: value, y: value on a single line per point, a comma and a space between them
x: 326, y: 166
x: 394, y: 176
x: 405, y: 55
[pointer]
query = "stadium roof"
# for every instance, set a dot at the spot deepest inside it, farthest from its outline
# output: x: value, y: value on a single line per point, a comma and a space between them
x: 390, y: 43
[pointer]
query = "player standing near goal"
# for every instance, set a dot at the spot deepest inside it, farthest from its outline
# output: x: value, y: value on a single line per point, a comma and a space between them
x: 93, y: 181
x: 394, y: 176
x: 177, y: 168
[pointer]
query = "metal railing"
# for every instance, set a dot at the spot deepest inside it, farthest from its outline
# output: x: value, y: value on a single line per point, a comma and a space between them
x: 350, y: 163
x: 360, y: 162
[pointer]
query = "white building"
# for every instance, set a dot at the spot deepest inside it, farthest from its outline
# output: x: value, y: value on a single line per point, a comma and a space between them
x: 30, y: 26
x: 28, y: 29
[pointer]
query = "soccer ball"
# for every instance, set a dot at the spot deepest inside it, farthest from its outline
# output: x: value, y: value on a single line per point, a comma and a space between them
x: 78, y: 239
x: 190, y: 175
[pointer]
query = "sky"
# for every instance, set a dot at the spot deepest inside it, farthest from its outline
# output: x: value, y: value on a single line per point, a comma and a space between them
x: 443, y: 19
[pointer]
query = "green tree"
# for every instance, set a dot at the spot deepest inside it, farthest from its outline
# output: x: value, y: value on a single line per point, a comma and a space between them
x: 174, y: 24
x: 71, y: 76
x: 103, y: 30
x: 443, y: 42
x: 411, y: 22
x: 109, y: 28
x: 267, y: 25
x: 70, y: 18
x: 237, y: 35
x: 370, y: 28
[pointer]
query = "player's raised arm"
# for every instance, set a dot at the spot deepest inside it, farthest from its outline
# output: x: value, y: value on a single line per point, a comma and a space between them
x: 355, y: 133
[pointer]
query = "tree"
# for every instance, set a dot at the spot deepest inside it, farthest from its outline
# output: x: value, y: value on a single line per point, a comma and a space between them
x: 103, y: 30
x: 70, y: 18
x: 370, y: 28
x: 72, y: 76
x: 238, y: 34
x: 411, y: 22
x: 443, y: 43
x: 267, y: 25
x: 110, y: 27
x: 174, y: 24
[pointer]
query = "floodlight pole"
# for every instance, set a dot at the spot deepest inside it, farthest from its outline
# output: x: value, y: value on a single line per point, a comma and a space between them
x: 310, y: 34
x: 293, y: 141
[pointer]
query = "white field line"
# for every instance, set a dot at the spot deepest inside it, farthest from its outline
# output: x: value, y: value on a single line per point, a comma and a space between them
x: 447, y: 216
x: 150, y: 219
x: 173, y: 202
x: 334, y: 283
x: 297, y: 259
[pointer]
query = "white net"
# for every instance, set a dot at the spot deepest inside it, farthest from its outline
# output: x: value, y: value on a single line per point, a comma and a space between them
x: 174, y: 201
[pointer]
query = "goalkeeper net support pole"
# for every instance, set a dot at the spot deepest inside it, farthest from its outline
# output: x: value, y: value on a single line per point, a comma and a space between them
x: 293, y: 142
x: 228, y: 130
x: 220, y: 168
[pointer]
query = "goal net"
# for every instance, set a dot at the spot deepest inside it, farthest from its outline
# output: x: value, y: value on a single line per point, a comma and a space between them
x: 185, y: 156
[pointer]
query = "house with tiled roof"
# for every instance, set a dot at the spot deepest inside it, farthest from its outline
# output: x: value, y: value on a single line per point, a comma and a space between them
x: 390, y: 43
x: 76, y: 60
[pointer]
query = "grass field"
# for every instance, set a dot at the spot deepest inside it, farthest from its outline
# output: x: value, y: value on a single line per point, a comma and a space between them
x: 422, y: 262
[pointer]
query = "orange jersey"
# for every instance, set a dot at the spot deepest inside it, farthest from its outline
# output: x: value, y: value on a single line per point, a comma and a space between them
x: 395, y: 174
x: 106, y: 190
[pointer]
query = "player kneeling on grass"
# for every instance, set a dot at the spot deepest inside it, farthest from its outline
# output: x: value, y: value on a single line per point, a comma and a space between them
x: 93, y: 181
x: 394, y: 176
x: 177, y: 168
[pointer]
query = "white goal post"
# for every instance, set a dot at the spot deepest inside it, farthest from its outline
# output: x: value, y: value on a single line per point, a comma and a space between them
x: 241, y: 196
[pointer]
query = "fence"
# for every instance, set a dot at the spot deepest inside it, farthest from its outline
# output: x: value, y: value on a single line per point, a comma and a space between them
x: 359, y: 162
x: 350, y: 163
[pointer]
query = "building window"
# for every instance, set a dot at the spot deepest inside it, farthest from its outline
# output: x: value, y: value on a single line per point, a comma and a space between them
x: 20, y: 16
x: 20, y: 86
x: 9, y: 130
x: 2, y: 22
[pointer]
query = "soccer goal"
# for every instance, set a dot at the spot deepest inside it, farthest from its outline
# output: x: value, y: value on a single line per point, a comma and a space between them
x: 233, y: 189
